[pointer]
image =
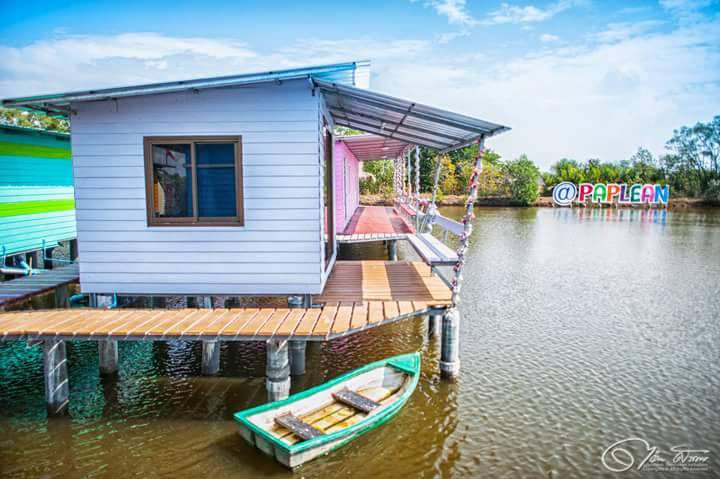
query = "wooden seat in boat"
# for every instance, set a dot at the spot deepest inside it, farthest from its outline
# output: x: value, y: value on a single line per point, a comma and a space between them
x: 355, y: 400
x: 299, y: 427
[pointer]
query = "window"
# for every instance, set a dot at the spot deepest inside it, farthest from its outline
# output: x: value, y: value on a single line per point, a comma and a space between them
x: 328, y: 189
x: 194, y: 181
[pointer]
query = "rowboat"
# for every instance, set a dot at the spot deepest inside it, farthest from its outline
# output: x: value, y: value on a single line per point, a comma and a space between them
x: 316, y: 421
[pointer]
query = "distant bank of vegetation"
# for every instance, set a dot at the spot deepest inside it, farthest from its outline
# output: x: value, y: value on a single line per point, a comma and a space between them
x: 691, y: 167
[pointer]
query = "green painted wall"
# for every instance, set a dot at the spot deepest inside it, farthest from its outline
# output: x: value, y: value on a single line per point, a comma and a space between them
x: 36, y: 194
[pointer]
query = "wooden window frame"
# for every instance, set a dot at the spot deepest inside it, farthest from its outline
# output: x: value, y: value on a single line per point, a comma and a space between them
x: 329, y: 146
x: 194, y: 220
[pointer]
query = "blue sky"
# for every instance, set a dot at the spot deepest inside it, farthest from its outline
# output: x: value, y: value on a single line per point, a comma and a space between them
x: 574, y: 78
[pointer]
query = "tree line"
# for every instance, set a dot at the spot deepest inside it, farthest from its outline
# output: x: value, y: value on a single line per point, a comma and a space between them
x: 691, y: 167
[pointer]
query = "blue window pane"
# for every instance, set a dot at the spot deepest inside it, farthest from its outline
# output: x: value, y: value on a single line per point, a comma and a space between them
x: 215, y: 154
x: 216, y: 180
x: 172, y: 181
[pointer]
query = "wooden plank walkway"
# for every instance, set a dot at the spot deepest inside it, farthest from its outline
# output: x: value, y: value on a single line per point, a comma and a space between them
x: 374, y: 223
x: 399, y: 281
x: 15, y: 290
x: 358, y: 295
x: 242, y: 324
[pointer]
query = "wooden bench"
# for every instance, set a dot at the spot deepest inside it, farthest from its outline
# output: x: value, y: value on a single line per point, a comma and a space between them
x: 355, y: 400
x: 298, y: 427
x: 432, y: 250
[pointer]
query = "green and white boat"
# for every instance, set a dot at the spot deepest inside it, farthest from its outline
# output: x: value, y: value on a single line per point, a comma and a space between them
x: 321, y: 419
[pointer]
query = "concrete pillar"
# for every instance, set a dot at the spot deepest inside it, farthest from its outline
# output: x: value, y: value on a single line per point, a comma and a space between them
x: 277, y: 370
x: 48, y: 253
x: 73, y: 250
x: 210, y: 357
x: 434, y: 321
x: 34, y: 259
x: 108, y: 353
x: 297, y: 357
x: 57, y: 389
x: 210, y: 349
x: 450, y: 344
x: 296, y: 301
x: 62, y: 294
x: 392, y: 250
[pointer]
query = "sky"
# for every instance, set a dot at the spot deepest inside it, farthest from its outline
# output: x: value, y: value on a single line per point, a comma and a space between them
x: 573, y: 79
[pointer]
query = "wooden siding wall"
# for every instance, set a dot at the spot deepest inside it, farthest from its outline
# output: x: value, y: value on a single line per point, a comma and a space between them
x: 277, y: 250
x: 347, y: 193
x: 36, y: 194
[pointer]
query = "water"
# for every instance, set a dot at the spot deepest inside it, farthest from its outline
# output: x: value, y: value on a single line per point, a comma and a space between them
x: 580, y: 328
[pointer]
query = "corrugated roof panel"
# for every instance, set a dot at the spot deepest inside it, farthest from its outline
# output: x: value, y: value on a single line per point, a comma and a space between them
x: 355, y: 74
x: 374, y: 147
x: 402, y: 119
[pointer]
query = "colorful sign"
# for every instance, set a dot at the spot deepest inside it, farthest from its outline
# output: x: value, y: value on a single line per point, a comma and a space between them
x: 566, y: 192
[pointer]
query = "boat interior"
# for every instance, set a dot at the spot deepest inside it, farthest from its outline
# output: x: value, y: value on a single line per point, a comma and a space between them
x: 336, y: 408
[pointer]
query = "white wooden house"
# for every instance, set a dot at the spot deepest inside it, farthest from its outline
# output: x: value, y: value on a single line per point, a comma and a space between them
x: 222, y: 185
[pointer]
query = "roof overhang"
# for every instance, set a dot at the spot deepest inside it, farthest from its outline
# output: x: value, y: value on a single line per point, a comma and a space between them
x: 370, y: 147
x: 356, y: 74
x: 403, y: 120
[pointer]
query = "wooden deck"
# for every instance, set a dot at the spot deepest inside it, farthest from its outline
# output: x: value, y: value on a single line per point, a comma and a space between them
x: 375, y: 223
x: 15, y: 290
x: 359, y: 295
x: 242, y: 324
x: 384, y: 281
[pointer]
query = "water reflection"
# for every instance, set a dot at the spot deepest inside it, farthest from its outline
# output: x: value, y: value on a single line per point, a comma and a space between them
x: 580, y: 327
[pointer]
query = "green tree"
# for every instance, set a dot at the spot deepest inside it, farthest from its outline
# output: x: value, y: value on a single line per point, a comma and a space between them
x: 14, y: 117
x: 694, y: 162
x: 523, y: 177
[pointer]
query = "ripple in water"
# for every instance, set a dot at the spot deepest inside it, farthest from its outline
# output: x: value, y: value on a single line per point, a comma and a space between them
x: 580, y: 328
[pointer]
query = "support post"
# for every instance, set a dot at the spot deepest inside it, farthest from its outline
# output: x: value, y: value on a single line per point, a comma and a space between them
x: 57, y: 389
x: 73, y: 250
x: 434, y: 321
x: 47, y: 258
x: 297, y: 348
x: 392, y: 250
x: 297, y: 357
x: 450, y: 344
x: 62, y: 294
x: 34, y: 259
x: 108, y: 353
x: 210, y: 349
x: 277, y: 370
x: 210, y: 357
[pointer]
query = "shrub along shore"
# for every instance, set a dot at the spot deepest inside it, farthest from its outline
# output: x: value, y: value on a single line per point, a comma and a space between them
x: 541, y: 202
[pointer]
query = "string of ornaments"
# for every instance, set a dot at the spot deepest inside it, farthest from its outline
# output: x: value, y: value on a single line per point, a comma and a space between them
x: 472, y: 190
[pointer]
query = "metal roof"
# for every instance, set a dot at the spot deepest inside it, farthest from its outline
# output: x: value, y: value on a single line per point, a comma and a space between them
x: 373, y: 147
x: 356, y: 74
x: 403, y: 120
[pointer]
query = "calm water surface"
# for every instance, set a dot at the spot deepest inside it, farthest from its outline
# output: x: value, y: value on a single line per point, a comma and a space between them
x: 580, y: 328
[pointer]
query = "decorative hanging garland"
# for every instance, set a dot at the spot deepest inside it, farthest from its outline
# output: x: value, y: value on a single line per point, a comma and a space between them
x: 472, y: 190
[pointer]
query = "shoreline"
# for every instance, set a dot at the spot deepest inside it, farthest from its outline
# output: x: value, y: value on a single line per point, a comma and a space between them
x: 542, y: 202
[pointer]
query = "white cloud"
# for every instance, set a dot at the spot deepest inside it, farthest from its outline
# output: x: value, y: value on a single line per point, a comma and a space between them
x: 625, y: 30
x: 548, y: 38
x: 450, y: 36
x: 592, y: 99
x: 528, y: 13
x: 455, y: 11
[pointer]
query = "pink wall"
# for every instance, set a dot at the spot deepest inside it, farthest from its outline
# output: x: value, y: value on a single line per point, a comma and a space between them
x: 347, y: 190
